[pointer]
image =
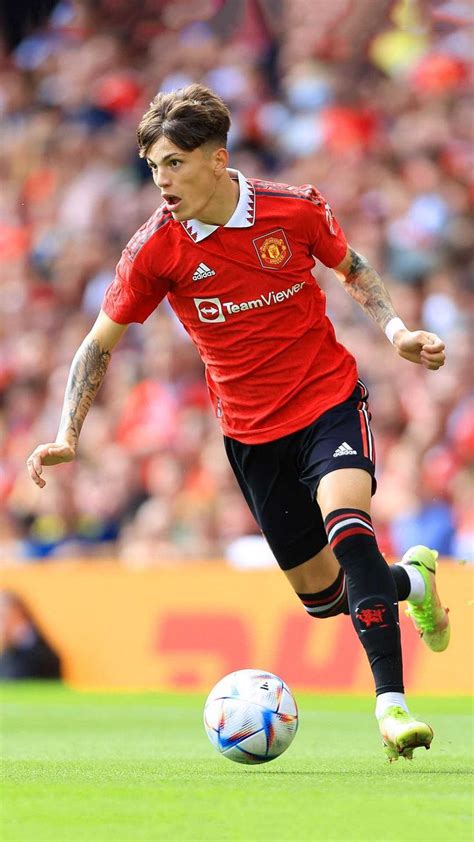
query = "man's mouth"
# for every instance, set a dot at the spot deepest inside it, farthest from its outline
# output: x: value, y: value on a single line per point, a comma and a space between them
x: 172, y: 202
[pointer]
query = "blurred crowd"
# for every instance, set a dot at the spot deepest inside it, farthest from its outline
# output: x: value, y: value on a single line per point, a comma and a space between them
x: 367, y: 101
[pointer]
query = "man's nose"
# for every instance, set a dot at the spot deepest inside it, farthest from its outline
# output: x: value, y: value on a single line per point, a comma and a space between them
x: 163, y: 178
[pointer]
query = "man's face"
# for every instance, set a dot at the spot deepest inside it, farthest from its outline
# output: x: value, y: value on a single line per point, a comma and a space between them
x: 187, y: 180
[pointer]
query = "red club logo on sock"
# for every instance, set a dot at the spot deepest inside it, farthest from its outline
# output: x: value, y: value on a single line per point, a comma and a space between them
x: 372, y: 616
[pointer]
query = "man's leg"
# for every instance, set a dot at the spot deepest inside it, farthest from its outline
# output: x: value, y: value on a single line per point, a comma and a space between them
x: 344, y: 497
x: 273, y: 479
x: 321, y: 586
x: 322, y: 577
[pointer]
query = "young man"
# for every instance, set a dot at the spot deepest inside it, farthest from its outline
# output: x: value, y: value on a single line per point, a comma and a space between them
x: 234, y: 256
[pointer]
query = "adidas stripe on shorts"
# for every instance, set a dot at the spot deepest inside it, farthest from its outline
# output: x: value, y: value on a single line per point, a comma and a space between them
x: 279, y: 479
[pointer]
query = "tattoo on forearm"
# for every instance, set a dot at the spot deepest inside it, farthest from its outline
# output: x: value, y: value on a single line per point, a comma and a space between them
x: 85, y: 378
x: 365, y: 285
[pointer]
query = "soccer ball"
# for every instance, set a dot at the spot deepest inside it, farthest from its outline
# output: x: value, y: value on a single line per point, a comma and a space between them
x: 250, y: 716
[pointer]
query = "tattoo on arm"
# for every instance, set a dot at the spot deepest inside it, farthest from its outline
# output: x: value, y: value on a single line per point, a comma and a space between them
x: 365, y: 285
x: 85, y: 378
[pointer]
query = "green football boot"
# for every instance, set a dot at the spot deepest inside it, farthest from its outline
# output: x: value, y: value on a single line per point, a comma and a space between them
x: 402, y: 733
x: 429, y: 617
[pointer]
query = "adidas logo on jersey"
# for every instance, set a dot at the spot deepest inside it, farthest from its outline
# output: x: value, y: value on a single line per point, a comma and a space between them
x: 345, y: 449
x: 202, y: 272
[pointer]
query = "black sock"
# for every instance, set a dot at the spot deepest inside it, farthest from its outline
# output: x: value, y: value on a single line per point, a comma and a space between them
x: 328, y: 602
x: 333, y: 600
x: 402, y: 581
x: 372, y: 594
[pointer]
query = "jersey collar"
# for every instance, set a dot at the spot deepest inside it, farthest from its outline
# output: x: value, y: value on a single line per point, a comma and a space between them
x: 243, y: 216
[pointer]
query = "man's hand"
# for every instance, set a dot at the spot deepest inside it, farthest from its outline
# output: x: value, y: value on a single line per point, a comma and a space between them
x: 48, y: 454
x: 419, y: 346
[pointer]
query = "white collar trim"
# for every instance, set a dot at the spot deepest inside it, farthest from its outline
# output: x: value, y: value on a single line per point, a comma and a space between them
x: 243, y: 216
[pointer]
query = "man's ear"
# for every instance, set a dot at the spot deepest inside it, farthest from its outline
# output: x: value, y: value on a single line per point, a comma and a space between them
x: 220, y: 160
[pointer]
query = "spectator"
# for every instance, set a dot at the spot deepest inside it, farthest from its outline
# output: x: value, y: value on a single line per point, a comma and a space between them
x: 24, y: 651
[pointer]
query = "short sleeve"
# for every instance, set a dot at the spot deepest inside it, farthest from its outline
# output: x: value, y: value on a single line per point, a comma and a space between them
x: 327, y: 240
x: 132, y: 296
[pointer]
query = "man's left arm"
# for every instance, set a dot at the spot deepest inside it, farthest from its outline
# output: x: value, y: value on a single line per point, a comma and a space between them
x: 365, y: 285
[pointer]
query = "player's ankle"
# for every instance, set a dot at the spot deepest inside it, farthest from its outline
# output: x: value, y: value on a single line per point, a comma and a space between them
x: 388, y: 700
x: 417, y: 583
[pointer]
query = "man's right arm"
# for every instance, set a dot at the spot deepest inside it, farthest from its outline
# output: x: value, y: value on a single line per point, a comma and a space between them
x: 85, y: 378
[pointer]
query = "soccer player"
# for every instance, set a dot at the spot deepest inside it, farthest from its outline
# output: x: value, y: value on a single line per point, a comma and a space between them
x: 234, y: 257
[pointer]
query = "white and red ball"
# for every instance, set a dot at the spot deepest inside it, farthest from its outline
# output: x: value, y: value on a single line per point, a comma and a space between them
x: 251, y: 716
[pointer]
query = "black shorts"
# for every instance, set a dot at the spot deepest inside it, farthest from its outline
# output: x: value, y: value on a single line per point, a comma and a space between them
x: 279, y: 479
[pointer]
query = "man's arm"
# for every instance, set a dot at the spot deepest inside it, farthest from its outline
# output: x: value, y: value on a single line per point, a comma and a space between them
x: 86, y: 374
x: 364, y: 284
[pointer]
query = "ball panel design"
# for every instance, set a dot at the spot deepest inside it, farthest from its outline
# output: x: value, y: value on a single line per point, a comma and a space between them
x: 255, y: 744
x: 239, y: 720
x: 213, y: 714
x: 287, y: 703
x: 239, y: 755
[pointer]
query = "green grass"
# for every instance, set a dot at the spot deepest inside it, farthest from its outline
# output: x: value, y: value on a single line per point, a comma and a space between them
x: 95, y: 767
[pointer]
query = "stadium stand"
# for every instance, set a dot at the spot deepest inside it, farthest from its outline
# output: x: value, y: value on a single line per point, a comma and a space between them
x: 379, y: 120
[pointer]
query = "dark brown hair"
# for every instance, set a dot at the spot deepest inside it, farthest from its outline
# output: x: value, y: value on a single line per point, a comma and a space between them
x: 188, y: 117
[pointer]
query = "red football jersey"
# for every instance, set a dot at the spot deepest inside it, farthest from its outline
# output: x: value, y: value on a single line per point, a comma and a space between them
x: 245, y: 294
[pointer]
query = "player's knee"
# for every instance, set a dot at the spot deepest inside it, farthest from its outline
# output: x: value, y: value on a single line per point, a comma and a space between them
x: 347, y: 531
x: 329, y: 602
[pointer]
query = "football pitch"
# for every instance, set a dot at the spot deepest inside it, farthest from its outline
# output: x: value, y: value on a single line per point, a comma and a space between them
x: 130, y: 767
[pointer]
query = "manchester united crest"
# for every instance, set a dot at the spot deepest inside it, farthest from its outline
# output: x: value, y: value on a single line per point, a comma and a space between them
x: 273, y: 249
